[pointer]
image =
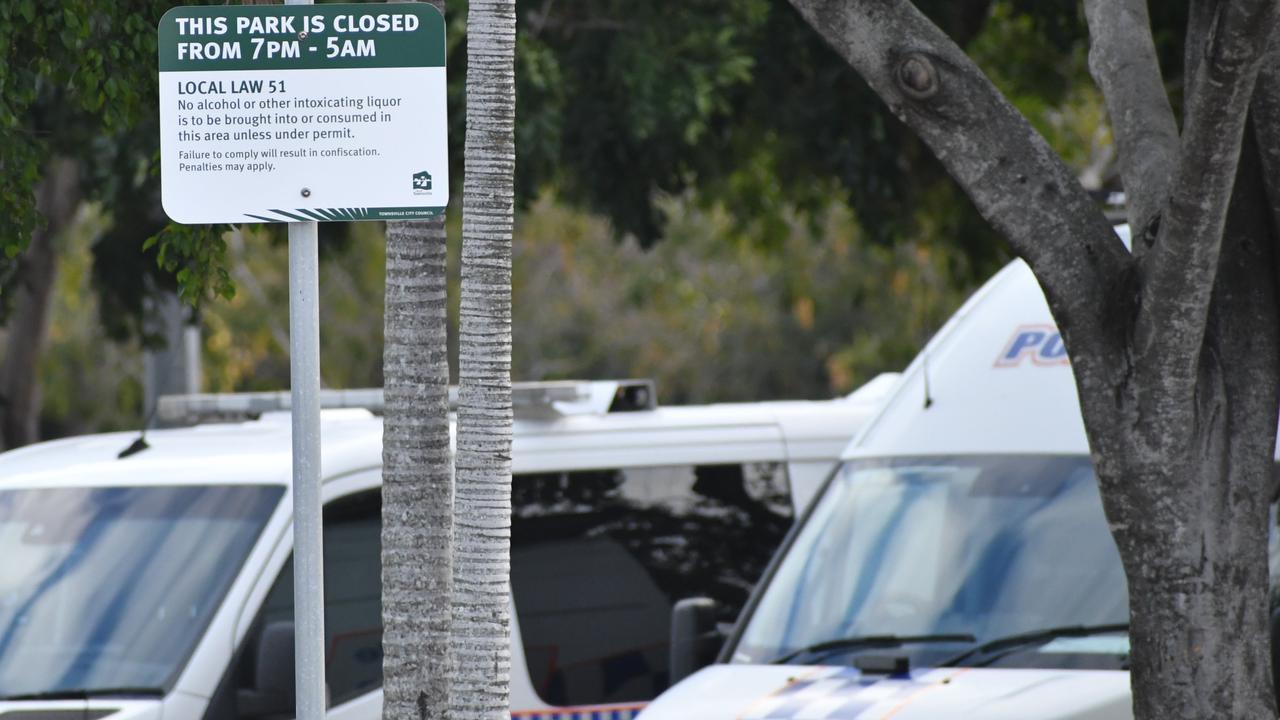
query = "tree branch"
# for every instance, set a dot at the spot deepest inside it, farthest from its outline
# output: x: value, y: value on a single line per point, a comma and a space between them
x: 1200, y: 18
x: 1012, y: 175
x: 1122, y: 58
x: 1181, y: 269
x: 1264, y: 112
x: 1264, y: 109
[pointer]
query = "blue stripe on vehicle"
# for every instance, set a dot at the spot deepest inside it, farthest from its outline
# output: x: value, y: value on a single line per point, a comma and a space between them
x: 852, y: 709
x: 798, y: 699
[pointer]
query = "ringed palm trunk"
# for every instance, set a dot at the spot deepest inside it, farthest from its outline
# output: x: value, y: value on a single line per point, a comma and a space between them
x: 417, y: 492
x: 417, y: 475
x: 483, y: 502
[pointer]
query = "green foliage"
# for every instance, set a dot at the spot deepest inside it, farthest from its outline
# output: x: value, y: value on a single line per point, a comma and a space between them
x: 196, y: 255
x: 713, y: 313
x: 68, y: 74
x: 79, y: 81
x: 782, y: 234
x: 624, y: 92
x: 246, y: 337
x: 90, y: 382
x: 93, y: 382
x: 622, y: 102
x: 1040, y: 63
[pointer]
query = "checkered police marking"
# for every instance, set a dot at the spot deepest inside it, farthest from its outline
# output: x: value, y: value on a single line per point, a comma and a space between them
x: 628, y: 712
x: 843, y: 694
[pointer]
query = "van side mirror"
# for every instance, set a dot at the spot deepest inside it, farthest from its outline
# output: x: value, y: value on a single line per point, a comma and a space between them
x: 272, y: 694
x: 695, y: 640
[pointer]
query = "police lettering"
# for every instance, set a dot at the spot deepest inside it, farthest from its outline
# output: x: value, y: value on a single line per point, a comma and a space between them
x: 1042, y: 344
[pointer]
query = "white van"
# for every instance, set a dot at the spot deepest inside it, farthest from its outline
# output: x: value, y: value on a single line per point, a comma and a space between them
x: 148, y: 586
x: 957, y: 565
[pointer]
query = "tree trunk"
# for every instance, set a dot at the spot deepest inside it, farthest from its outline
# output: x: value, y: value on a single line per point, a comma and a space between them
x: 417, y: 479
x: 1192, y: 533
x: 1188, y: 500
x: 417, y: 474
x: 483, y: 504
x: 57, y: 199
x: 1198, y: 596
x: 1175, y: 348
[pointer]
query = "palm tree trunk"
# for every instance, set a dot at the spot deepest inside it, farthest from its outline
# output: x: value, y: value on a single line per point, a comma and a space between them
x: 417, y: 482
x: 482, y: 534
x: 417, y: 474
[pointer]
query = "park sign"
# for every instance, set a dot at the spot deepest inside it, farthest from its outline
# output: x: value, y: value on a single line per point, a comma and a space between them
x: 302, y: 113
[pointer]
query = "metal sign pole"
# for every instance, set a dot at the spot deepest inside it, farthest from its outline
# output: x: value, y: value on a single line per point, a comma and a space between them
x: 308, y: 536
x: 308, y: 540
x: 239, y: 143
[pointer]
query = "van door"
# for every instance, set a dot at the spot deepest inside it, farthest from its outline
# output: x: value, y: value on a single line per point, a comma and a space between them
x: 353, y: 622
x: 599, y: 557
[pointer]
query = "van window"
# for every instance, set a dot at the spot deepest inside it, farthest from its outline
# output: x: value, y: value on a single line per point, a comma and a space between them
x: 983, y: 545
x: 600, y: 557
x: 111, y: 587
x: 352, y: 597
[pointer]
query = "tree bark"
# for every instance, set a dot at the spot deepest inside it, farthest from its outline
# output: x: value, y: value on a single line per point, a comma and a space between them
x: 57, y: 199
x: 417, y: 475
x: 1192, y: 525
x: 1123, y: 61
x: 417, y: 478
x: 1176, y: 354
x: 1179, y: 275
x: 483, y: 506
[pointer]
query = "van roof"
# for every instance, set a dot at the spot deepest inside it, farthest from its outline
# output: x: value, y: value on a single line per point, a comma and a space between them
x: 994, y: 379
x: 258, y: 451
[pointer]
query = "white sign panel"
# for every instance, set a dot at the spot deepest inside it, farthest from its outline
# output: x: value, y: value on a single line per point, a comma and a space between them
x: 303, y: 113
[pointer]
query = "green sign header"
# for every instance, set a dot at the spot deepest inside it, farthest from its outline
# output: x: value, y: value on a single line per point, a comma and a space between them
x: 298, y: 37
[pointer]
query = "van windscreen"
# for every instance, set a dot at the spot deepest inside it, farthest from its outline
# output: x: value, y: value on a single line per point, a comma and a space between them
x: 977, y: 546
x: 108, y: 589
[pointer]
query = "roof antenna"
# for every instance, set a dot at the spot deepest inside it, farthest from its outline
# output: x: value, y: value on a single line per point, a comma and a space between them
x: 141, y: 443
x: 928, y: 397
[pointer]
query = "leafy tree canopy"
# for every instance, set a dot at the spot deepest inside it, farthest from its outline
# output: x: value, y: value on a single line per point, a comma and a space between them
x: 79, y: 81
x: 620, y: 103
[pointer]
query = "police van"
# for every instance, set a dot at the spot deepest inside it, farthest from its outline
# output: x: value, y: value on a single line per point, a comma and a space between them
x: 957, y: 565
x: 153, y: 579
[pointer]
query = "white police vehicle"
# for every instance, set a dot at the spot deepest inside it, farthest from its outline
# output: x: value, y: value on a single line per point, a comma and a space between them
x: 158, y: 584
x: 957, y: 565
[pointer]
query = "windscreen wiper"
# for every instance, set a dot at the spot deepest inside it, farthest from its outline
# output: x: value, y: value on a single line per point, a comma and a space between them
x: 1035, y: 637
x: 857, y: 642
x: 87, y: 693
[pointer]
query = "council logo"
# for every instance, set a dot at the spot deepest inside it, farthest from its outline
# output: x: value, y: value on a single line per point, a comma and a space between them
x: 422, y: 183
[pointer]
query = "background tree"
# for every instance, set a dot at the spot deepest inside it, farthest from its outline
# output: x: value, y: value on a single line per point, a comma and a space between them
x: 482, y: 516
x: 1175, y: 347
x: 718, y: 311
x: 70, y: 79
x: 417, y: 474
x: 701, y: 157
